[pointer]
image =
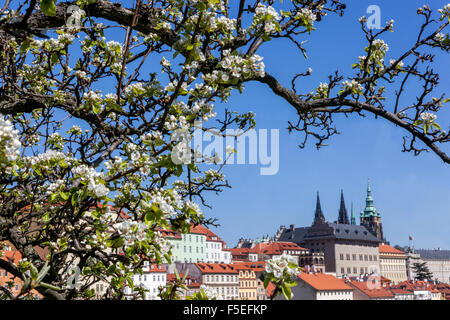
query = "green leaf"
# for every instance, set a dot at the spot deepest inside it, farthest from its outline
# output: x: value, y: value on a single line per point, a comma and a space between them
x: 286, y: 292
x: 49, y: 286
x: 438, y: 127
x: 25, y: 46
x: 116, y: 243
x: 64, y: 195
x: 34, y: 272
x: 48, y: 7
x: 266, y: 282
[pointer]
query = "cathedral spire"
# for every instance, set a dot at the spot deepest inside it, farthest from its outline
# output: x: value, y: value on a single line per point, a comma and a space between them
x: 352, y: 219
x: 318, y: 215
x: 343, y: 216
x: 370, y: 209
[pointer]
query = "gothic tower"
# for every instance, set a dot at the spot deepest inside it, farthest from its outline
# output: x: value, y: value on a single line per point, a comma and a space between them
x: 370, y: 218
x: 343, y: 216
x: 318, y: 215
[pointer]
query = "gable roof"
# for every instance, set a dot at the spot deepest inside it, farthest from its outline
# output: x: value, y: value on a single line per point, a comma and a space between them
x: 385, y: 248
x: 275, y: 248
x: 257, y: 266
x: 153, y: 267
x: 324, y: 282
x: 217, y: 268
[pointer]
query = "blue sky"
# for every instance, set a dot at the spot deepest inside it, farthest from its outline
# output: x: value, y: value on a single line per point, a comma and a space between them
x: 412, y: 193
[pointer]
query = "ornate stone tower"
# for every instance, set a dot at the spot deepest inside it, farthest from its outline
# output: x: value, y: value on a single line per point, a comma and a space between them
x: 343, y: 216
x: 318, y: 215
x: 370, y: 218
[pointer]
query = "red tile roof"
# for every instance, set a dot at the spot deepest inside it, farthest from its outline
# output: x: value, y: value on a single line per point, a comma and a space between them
x: 376, y: 292
x: 384, y: 248
x: 270, y: 289
x: 198, y: 229
x: 399, y: 291
x: 416, y: 286
x: 275, y: 248
x: 251, y: 265
x: 153, y: 267
x: 190, y: 282
x: 170, y: 234
x: 324, y: 282
x: 217, y: 268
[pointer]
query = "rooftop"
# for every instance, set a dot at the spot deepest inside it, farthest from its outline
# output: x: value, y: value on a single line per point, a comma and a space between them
x: 376, y: 292
x: 217, y: 268
x: 385, y: 248
x: 324, y: 282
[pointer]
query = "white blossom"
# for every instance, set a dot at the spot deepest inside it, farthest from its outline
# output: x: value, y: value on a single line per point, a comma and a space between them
x: 9, y: 141
x: 428, y: 117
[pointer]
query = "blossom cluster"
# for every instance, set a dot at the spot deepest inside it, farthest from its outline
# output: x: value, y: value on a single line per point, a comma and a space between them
x: 47, y: 156
x: 211, y: 293
x: 212, y: 22
x: 132, y: 231
x: 91, y: 177
x: 282, y: 266
x: 445, y: 11
x: 9, y: 142
x: 306, y: 16
x: 235, y: 66
x: 380, y: 45
x: 427, y: 117
x: 321, y: 91
x: 166, y: 200
x: 353, y: 85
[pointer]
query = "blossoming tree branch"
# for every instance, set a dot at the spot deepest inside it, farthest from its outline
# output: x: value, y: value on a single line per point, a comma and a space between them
x: 91, y: 92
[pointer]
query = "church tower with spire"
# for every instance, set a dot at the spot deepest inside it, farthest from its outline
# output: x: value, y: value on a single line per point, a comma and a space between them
x: 318, y: 215
x: 370, y: 217
x: 343, y: 216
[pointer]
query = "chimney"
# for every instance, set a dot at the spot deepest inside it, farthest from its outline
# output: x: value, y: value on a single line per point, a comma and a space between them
x: 292, y: 227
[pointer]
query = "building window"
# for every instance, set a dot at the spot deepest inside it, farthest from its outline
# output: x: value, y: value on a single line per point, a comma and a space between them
x: 348, y: 257
x: 342, y: 256
x: 354, y: 257
x: 342, y: 270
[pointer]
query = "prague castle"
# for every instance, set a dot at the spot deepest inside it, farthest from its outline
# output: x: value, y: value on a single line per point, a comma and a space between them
x: 349, y: 249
